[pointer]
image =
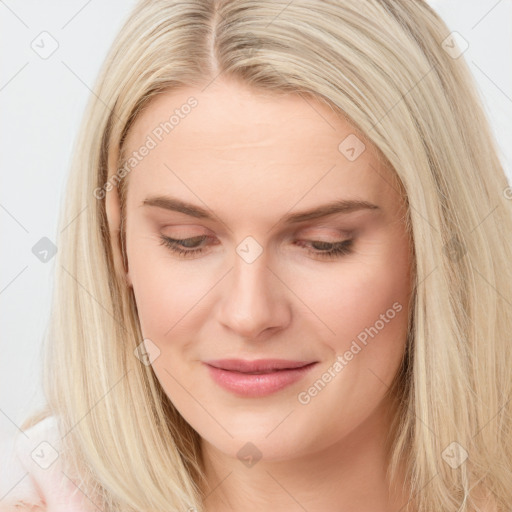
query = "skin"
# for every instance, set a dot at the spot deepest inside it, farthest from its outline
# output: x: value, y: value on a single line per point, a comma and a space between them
x: 251, y: 159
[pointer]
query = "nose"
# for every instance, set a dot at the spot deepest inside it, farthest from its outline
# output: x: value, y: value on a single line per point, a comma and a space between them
x: 253, y: 300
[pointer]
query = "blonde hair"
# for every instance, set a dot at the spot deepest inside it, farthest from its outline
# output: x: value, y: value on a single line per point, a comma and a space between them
x: 381, y: 65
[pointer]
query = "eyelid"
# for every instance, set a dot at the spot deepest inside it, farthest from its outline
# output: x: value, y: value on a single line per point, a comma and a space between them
x: 337, y: 232
x: 325, y: 230
x: 185, y: 231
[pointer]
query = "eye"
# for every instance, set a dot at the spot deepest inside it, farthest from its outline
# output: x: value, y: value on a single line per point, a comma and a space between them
x: 188, y: 247
x: 174, y: 245
x: 330, y: 250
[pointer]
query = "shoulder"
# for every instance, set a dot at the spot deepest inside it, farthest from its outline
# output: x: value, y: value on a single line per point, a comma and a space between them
x: 33, y: 478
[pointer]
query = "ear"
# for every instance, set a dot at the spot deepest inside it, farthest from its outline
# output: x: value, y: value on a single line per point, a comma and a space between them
x: 113, y: 211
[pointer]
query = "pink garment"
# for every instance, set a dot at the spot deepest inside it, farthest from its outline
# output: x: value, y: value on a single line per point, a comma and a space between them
x: 32, y: 478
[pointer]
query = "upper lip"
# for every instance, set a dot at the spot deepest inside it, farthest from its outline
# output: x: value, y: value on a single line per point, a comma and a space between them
x: 258, y: 365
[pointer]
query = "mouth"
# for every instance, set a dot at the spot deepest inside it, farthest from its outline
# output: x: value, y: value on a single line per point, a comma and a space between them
x: 257, y: 366
x: 257, y: 378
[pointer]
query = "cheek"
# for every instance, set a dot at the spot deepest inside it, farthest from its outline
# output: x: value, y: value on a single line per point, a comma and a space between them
x: 365, y: 300
x: 160, y: 291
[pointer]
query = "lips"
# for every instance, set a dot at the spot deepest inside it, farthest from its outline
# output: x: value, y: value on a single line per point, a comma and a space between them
x: 256, y: 379
x: 259, y: 366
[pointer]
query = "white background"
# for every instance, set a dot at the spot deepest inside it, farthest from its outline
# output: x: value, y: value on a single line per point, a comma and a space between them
x: 42, y: 102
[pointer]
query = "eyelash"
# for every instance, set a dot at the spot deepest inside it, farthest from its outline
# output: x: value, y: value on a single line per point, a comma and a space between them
x: 340, y: 248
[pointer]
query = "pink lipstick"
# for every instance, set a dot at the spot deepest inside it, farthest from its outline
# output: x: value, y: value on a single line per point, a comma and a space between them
x: 257, y: 378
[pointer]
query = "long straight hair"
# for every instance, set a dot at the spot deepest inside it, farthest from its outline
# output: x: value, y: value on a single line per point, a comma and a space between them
x: 383, y: 66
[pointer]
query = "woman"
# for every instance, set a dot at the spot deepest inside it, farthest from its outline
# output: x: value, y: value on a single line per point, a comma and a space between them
x: 290, y: 288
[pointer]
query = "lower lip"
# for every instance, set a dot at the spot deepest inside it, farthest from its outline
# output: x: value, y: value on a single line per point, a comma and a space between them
x: 262, y: 384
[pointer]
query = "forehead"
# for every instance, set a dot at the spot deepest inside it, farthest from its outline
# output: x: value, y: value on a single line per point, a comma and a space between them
x: 256, y: 148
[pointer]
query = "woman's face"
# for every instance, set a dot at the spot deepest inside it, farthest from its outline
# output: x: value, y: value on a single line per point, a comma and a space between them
x: 235, y: 172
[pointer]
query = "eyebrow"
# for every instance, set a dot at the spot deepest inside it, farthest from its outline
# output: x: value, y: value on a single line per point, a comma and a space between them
x: 340, y: 206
